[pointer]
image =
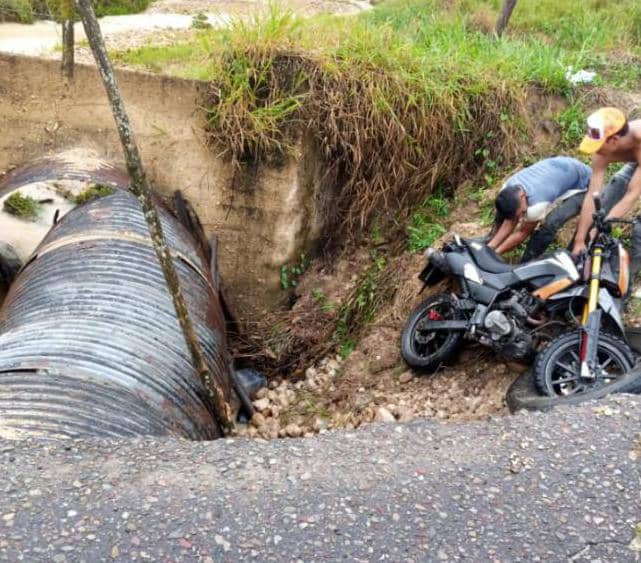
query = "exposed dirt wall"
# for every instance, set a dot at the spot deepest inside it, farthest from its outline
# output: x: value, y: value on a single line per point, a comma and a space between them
x: 263, y: 220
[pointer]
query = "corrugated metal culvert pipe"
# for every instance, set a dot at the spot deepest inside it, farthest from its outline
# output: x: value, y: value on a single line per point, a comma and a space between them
x: 89, y: 341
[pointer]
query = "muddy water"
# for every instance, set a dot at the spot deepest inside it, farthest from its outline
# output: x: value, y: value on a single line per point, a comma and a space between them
x: 26, y: 234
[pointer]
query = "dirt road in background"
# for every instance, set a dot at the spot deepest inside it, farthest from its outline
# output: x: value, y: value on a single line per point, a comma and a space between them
x: 163, y: 23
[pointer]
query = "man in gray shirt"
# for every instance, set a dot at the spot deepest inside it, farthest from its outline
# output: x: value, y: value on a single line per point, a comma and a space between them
x: 527, y: 196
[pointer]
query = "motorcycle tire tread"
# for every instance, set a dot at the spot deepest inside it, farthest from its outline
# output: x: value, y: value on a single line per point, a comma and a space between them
x: 523, y: 394
x: 444, y: 355
x: 542, y: 357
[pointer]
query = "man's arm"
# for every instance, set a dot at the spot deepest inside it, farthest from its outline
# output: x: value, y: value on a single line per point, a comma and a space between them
x: 599, y: 166
x: 504, y: 231
x: 632, y: 194
x: 518, y: 237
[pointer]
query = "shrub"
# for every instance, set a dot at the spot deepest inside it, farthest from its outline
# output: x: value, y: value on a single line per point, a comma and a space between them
x: 102, y: 7
x: 21, y: 206
x: 16, y: 11
x: 91, y: 193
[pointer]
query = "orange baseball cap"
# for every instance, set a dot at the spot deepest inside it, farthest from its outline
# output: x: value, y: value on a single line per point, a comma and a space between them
x: 603, y: 123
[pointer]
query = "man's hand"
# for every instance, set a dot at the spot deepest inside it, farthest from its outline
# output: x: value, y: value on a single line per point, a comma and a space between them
x: 579, y: 248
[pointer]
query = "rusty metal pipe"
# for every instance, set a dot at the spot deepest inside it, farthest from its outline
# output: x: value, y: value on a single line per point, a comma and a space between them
x: 89, y: 341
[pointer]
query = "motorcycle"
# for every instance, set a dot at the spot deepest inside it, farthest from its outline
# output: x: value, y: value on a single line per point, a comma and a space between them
x: 597, y: 353
x: 514, y: 309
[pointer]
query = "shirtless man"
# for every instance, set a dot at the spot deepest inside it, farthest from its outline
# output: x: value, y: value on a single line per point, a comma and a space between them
x: 611, y: 138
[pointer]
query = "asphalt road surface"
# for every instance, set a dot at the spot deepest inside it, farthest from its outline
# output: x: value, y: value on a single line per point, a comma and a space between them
x: 552, y: 487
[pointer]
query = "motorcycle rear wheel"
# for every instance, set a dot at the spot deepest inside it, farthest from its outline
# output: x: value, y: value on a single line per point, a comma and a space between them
x: 556, y: 371
x: 425, y: 350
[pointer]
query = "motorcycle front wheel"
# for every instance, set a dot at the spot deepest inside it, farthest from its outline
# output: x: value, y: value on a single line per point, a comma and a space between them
x: 424, y: 349
x: 557, y: 370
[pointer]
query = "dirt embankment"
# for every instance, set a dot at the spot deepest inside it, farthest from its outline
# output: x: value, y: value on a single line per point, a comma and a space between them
x: 373, y: 383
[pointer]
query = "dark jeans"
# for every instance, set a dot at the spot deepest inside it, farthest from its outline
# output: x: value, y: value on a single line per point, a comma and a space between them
x: 612, y: 194
x: 546, y: 233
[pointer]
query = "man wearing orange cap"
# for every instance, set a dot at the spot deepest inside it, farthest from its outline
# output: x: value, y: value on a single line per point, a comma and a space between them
x: 611, y: 138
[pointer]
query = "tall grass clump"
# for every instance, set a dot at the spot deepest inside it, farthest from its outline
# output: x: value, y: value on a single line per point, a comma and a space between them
x: 396, y: 99
x: 389, y: 118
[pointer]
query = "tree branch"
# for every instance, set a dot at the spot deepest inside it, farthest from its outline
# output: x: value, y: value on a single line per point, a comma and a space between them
x: 140, y: 187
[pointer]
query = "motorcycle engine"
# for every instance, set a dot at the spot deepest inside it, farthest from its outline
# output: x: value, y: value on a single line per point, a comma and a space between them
x: 498, y: 324
x: 506, y: 336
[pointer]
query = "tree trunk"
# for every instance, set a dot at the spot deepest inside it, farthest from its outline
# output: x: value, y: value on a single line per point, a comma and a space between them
x: 504, y: 18
x: 140, y: 187
x: 67, y: 49
x: 67, y: 12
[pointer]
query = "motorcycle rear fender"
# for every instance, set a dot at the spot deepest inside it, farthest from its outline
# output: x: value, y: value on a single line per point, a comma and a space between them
x: 607, y: 304
x: 431, y: 275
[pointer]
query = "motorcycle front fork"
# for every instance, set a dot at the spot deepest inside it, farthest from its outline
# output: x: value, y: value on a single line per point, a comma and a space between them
x: 591, y: 320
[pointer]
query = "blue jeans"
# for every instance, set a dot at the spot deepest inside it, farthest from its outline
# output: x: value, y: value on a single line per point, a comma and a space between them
x: 552, y: 224
x: 612, y: 194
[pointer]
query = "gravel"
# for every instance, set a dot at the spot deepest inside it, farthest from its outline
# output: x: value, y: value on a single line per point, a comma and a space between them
x: 556, y: 486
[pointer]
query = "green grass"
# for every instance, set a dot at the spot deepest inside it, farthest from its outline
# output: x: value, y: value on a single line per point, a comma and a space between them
x: 362, y: 304
x: 425, y: 227
x: 422, y: 232
x: 290, y: 273
x: 446, y: 38
x: 572, y: 123
x: 199, y: 21
x: 186, y: 59
x: 120, y: 7
x: 16, y: 11
x: 91, y: 193
x: 21, y: 206
x: 47, y: 9
x: 405, y: 97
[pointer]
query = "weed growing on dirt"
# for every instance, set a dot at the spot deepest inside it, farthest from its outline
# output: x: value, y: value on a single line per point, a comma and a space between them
x: 572, y: 123
x: 358, y: 310
x: 91, y: 193
x: 374, y: 95
x: 21, y: 206
x: 422, y: 232
x: 425, y: 227
x: 200, y: 21
x: 289, y: 274
x: 323, y: 301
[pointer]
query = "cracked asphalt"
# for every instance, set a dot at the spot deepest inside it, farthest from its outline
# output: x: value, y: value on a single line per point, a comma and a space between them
x: 559, y: 486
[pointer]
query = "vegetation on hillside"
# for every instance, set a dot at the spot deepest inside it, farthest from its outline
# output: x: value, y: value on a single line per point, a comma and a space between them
x: 22, y: 206
x: 422, y: 83
x: 16, y: 11
x: 27, y: 11
x: 403, y: 102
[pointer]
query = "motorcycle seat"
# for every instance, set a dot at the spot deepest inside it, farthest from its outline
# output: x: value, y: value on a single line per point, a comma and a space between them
x: 487, y: 259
